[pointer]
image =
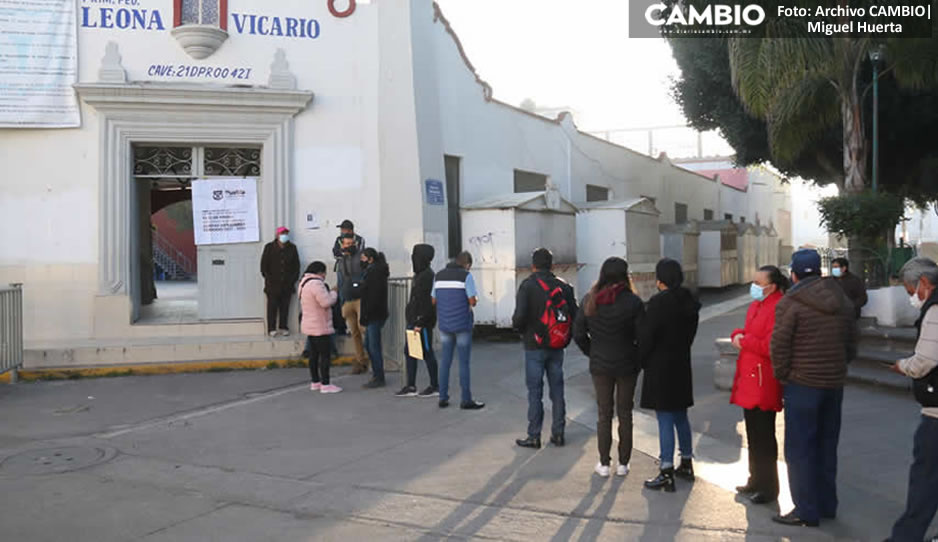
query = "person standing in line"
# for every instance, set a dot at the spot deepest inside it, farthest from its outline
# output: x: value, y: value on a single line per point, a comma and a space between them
x: 920, y: 278
x: 813, y: 340
x: 605, y: 330
x: 666, y: 334
x: 755, y: 388
x: 454, y: 294
x: 420, y: 316
x: 350, y: 270
x: 280, y: 267
x: 374, y: 310
x: 316, y: 301
x: 545, y: 310
x: 853, y: 285
x: 338, y: 251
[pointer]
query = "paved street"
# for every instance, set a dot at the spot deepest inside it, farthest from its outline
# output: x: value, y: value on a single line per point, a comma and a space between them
x: 256, y: 456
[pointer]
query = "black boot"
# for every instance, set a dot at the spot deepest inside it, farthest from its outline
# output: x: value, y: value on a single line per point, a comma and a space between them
x: 685, y: 470
x: 530, y: 442
x: 664, y: 480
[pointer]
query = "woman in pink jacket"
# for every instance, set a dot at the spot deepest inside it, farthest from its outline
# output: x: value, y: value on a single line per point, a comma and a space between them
x: 316, y: 301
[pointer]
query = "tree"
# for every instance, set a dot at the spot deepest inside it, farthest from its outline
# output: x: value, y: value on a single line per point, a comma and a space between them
x: 802, y: 85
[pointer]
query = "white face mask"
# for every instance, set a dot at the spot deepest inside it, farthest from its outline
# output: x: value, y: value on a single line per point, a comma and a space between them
x: 916, y: 303
x: 284, y: 238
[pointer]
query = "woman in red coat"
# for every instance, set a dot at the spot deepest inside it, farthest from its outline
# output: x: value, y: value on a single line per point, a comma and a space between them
x: 755, y: 387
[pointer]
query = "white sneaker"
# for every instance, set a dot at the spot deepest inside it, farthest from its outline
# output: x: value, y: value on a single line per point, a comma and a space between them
x: 273, y: 333
x: 602, y: 470
x: 622, y: 470
x: 284, y: 333
x: 330, y: 388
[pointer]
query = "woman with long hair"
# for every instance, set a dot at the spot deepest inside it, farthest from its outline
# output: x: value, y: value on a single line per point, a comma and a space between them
x: 755, y: 388
x: 665, y: 336
x: 374, y: 310
x: 605, y: 330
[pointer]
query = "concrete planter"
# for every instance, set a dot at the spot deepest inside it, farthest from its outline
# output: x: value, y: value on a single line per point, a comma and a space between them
x: 199, y: 41
x: 724, y: 368
x: 890, y: 307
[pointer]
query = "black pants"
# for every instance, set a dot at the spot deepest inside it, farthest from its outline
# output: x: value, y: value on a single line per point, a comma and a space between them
x: 615, y: 393
x: 922, y: 501
x: 320, y: 356
x: 763, y: 451
x: 278, y: 304
x: 428, y: 357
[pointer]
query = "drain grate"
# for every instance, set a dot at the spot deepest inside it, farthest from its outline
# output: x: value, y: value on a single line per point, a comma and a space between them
x: 54, y: 460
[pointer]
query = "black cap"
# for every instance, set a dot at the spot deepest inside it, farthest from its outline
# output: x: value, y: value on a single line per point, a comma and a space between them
x: 347, y: 225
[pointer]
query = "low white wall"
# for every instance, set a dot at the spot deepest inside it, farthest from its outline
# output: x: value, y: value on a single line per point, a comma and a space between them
x: 890, y: 306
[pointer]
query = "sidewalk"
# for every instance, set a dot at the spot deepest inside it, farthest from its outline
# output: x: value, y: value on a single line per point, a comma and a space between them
x: 256, y: 456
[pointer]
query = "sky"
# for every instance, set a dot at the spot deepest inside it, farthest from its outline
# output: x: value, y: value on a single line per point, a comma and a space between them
x: 574, y: 54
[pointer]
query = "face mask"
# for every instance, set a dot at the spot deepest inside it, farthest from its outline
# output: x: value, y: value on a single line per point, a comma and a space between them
x: 757, y: 292
x: 837, y: 272
x: 284, y: 238
x: 916, y: 303
x: 365, y: 264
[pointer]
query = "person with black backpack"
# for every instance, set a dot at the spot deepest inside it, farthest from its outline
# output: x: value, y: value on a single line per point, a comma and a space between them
x: 545, y: 309
x: 350, y: 271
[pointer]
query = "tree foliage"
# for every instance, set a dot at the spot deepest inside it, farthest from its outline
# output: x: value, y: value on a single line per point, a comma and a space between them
x: 865, y: 215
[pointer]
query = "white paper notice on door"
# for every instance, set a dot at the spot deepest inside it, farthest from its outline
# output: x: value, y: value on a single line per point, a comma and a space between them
x: 224, y: 211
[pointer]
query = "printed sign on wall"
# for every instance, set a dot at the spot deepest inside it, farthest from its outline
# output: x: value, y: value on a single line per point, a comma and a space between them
x: 39, y: 65
x: 224, y: 211
x: 435, y: 194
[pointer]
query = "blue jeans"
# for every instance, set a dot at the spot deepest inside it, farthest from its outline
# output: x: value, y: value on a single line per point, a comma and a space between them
x: 668, y: 422
x: 922, y: 501
x: 373, y: 346
x: 812, y: 431
x: 462, y: 343
x: 536, y: 364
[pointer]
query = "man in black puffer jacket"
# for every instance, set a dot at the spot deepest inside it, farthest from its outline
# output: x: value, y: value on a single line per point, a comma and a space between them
x: 421, y: 317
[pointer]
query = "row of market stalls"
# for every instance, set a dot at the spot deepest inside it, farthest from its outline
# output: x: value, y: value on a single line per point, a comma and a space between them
x: 501, y: 233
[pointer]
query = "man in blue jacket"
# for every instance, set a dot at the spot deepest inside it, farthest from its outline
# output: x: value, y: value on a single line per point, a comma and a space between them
x: 454, y: 294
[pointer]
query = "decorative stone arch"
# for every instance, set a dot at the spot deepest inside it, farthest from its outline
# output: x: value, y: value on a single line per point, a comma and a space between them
x: 158, y: 113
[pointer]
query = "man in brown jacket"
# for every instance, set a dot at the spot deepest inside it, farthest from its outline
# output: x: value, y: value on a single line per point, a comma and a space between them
x: 813, y: 340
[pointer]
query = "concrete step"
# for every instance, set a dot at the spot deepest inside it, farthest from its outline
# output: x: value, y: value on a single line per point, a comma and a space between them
x: 169, y: 350
x: 886, y: 338
x: 870, y: 368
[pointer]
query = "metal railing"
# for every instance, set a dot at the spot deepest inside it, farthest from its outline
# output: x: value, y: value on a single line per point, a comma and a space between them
x: 172, y: 258
x: 11, y: 330
x: 393, y: 340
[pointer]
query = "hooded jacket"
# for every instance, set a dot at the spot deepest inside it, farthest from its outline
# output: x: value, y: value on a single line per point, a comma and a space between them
x: 815, y: 334
x: 420, y: 311
x: 316, y: 301
x: 856, y: 291
x: 610, y: 337
x: 755, y: 385
x: 374, y: 294
x: 665, y: 336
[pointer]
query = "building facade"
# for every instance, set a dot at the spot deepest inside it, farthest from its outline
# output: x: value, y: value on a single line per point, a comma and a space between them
x: 333, y: 109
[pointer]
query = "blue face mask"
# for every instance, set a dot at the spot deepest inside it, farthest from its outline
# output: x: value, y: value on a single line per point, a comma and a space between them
x: 284, y: 238
x: 757, y: 292
x: 837, y: 272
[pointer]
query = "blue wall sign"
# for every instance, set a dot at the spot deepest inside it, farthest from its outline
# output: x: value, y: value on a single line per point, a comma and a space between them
x: 435, y: 194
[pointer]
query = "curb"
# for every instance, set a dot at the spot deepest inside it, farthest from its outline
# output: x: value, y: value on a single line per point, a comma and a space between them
x: 33, y: 375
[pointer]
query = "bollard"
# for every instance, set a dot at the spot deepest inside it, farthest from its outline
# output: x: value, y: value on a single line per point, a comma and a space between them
x: 724, y: 368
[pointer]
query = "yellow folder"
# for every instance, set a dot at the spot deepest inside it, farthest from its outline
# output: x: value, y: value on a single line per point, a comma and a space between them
x: 414, y: 344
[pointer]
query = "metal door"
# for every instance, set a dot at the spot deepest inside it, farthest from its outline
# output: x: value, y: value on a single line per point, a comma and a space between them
x: 230, y: 284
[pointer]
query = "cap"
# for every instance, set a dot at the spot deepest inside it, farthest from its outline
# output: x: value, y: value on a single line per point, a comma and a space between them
x: 806, y: 261
x: 283, y: 229
x: 347, y: 225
